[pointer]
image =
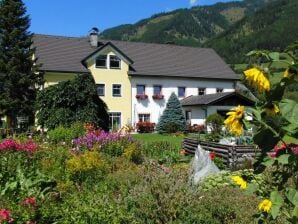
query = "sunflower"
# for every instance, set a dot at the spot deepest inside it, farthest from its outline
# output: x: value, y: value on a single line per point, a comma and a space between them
x: 257, y: 79
x: 265, y: 205
x: 272, y: 110
x: 234, y: 120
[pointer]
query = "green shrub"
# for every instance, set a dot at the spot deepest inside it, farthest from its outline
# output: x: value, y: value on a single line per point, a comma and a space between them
x: 215, y: 122
x: 60, y: 134
x: 88, y: 166
x: 163, y: 151
x: 66, y: 135
x: 133, y: 153
x: 224, y: 178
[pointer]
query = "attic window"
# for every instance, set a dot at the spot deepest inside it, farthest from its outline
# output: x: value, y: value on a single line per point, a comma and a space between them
x: 114, y: 62
x: 101, y: 61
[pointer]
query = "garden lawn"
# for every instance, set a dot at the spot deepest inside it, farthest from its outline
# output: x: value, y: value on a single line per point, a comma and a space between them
x: 147, y: 138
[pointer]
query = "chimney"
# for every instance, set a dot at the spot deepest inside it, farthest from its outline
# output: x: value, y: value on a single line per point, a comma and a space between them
x: 93, y: 37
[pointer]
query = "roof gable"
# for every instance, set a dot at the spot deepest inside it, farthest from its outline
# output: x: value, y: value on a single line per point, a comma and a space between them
x: 103, y: 47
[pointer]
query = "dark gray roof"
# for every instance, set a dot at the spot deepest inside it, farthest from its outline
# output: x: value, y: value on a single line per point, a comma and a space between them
x: 57, y: 53
x: 210, y: 99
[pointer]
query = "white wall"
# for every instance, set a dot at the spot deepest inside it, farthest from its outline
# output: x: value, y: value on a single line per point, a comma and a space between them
x: 169, y: 85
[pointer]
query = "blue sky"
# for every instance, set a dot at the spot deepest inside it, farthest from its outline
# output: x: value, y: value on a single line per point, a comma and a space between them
x: 77, y: 17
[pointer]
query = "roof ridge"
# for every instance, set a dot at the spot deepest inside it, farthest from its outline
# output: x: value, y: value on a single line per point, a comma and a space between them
x: 134, y: 42
x: 59, y: 36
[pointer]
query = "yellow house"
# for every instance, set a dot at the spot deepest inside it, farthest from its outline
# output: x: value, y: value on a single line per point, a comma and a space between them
x: 107, y: 64
x: 109, y: 68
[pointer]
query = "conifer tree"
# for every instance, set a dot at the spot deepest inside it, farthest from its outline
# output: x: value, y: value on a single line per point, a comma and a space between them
x: 172, y: 119
x: 19, y: 79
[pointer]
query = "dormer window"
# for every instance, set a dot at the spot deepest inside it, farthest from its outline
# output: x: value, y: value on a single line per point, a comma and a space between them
x: 101, y: 61
x: 114, y: 62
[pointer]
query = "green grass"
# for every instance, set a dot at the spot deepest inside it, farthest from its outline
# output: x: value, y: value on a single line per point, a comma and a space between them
x: 153, y: 137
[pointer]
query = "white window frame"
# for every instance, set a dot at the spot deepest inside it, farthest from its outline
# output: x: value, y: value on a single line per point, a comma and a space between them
x: 104, y: 89
x: 184, y: 91
x: 144, y: 93
x: 120, y: 94
x: 110, y: 62
x: 143, y: 117
x: 219, y: 90
x: 106, y: 66
x: 204, y: 91
x: 111, y: 116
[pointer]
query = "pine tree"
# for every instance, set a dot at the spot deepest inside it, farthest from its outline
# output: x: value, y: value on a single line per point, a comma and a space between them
x: 19, y: 78
x: 172, y: 119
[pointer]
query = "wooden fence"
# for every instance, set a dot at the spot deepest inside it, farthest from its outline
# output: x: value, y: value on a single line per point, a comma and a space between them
x: 232, y: 154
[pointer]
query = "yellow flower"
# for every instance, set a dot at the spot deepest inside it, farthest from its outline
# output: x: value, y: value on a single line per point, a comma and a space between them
x: 265, y: 205
x: 289, y: 75
x: 233, y: 122
x: 286, y: 73
x: 257, y: 79
x: 272, y: 110
x: 239, y: 181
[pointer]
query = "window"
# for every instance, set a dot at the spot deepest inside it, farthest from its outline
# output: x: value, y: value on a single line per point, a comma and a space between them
x: 140, y: 89
x: 101, y: 61
x: 116, y: 90
x: 144, y: 117
x: 114, y: 121
x: 156, y: 90
x: 100, y: 89
x: 202, y: 91
x: 188, y: 116
x: 181, y: 91
x: 219, y: 90
x: 114, y: 62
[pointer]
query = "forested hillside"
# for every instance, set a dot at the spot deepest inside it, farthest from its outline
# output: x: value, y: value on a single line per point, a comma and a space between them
x: 186, y: 26
x: 273, y: 27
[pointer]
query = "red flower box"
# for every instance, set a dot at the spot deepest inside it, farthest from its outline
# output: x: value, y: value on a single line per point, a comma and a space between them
x: 141, y: 96
x: 157, y: 96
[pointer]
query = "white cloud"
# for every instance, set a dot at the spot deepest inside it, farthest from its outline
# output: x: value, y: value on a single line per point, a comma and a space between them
x: 193, y: 2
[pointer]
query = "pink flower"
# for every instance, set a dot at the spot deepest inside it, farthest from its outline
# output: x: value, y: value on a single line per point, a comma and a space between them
x: 30, y: 201
x: 5, y: 215
x: 31, y: 222
x: 10, y: 144
x: 295, y: 150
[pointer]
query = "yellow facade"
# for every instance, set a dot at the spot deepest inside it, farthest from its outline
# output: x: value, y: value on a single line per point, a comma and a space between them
x: 108, y: 77
x: 53, y: 78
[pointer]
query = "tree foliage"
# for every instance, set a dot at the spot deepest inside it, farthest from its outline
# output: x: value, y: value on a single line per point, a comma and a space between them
x: 70, y: 101
x: 172, y: 119
x: 215, y: 122
x: 18, y: 77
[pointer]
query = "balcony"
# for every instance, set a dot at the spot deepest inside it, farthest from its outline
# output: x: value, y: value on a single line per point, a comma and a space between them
x: 157, y: 96
x: 142, y: 96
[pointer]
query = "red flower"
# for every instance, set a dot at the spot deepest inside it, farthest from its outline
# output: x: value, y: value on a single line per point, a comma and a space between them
x: 30, y: 201
x: 212, y: 155
x: 5, y: 215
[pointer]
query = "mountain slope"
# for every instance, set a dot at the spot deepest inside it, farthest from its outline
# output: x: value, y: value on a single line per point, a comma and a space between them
x: 273, y: 27
x: 186, y: 26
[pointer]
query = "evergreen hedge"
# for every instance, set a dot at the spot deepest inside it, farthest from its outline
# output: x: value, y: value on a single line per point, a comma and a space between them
x: 71, y: 101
